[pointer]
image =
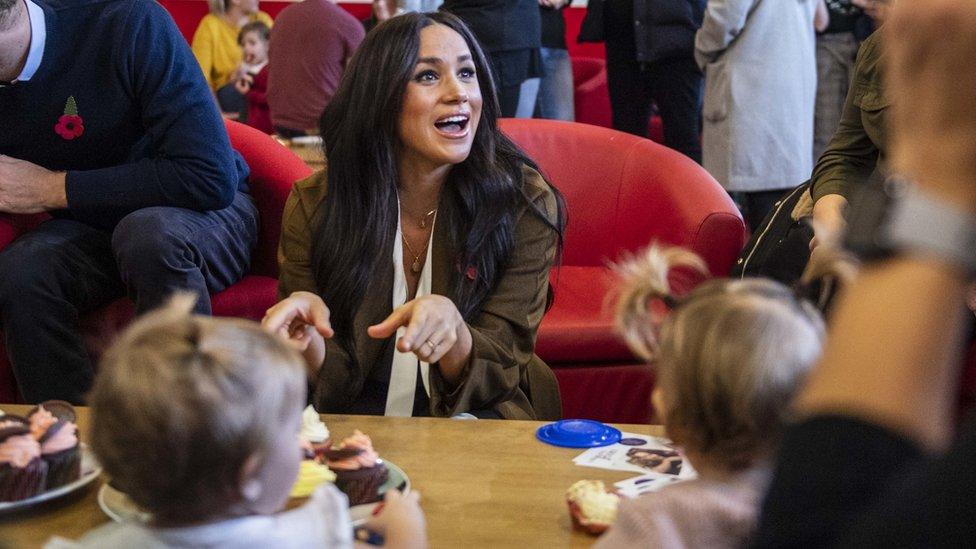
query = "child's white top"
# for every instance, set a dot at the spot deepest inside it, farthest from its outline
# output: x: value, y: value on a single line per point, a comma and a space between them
x: 321, y: 522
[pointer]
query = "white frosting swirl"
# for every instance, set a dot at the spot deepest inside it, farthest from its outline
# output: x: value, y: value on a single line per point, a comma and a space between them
x: 313, y: 430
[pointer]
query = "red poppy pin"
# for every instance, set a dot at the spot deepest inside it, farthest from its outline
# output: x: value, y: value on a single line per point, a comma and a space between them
x: 70, y: 125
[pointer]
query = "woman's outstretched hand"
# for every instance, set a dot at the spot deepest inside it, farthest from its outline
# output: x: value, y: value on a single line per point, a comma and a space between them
x: 435, y: 332
x: 298, y: 319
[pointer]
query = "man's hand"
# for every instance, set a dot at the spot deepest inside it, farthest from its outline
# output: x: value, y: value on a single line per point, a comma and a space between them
x: 28, y: 188
x: 932, y: 77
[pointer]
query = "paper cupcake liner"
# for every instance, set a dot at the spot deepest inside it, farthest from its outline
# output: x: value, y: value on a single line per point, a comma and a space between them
x: 21, y: 483
x: 361, y: 485
x: 63, y: 467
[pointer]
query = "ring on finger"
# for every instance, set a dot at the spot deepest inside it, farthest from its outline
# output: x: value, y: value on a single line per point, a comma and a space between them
x: 432, y: 345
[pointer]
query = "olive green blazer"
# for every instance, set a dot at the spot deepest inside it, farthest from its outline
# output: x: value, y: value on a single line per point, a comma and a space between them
x: 858, y: 147
x: 503, y: 374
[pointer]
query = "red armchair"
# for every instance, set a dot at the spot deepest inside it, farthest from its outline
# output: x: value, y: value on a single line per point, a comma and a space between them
x: 273, y: 171
x: 622, y: 192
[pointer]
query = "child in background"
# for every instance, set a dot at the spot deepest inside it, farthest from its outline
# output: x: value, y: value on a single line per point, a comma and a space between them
x: 253, y: 74
x: 729, y: 358
x: 197, y: 420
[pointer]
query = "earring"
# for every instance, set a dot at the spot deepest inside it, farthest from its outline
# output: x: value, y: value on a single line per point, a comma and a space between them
x: 251, y: 490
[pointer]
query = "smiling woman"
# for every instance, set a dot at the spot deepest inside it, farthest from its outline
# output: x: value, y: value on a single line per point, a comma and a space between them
x: 415, y: 268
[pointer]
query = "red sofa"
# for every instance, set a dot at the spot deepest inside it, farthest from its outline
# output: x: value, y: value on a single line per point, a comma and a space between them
x: 622, y: 193
x: 273, y: 171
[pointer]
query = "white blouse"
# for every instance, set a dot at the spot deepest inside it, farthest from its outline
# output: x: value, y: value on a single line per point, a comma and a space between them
x: 403, y: 372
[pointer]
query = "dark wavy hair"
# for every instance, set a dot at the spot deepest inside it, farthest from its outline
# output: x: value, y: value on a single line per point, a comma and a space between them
x: 354, y: 229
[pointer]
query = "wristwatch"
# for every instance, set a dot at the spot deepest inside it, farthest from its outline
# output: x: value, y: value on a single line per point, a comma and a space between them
x: 892, y: 215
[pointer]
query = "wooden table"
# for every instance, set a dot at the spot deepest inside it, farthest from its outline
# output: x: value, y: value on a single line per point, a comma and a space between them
x: 483, y: 483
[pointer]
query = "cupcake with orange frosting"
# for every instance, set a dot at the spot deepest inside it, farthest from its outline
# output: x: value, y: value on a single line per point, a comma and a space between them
x: 22, y: 471
x: 54, y: 429
x: 359, y: 470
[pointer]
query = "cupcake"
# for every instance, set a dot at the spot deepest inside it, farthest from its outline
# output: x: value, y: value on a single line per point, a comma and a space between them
x: 314, y: 431
x: 52, y: 425
x: 9, y: 420
x: 358, y: 469
x: 22, y: 471
x: 58, y: 408
x: 310, y: 475
x: 592, y: 507
x: 59, y: 449
x: 40, y: 419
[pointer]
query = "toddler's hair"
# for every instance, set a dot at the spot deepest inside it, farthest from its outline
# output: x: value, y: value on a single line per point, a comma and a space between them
x: 729, y: 357
x: 180, y: 403
x: 254, y: 26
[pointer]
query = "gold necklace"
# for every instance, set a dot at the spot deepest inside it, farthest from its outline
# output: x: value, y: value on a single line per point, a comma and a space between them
x: 426, y: 216
x: 415, y: 266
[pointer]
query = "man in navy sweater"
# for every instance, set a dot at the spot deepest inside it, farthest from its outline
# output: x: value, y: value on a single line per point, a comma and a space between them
x: 106, y: 122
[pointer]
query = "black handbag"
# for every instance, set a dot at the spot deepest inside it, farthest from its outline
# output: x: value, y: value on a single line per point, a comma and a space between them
x: 779, y: 247
x: 591, y: 30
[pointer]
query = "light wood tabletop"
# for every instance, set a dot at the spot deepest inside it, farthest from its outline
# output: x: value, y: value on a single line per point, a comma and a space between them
x: 483, y: 483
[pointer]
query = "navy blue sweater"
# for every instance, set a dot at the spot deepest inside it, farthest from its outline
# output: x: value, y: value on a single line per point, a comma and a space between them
x: 152, y: 135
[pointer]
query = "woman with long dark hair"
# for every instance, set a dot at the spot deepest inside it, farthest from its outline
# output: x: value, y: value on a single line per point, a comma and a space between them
x: 415, y: 267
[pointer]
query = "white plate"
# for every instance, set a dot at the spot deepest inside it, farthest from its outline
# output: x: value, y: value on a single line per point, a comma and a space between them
x: 120, y: 508
x: 90, y: 469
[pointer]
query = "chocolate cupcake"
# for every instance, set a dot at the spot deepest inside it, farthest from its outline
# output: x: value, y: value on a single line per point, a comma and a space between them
x: 358, y: 469
x: 58, y: 408
x: 59, y: 449
x: 40, y: 419
x: 9, y: 420
x: 22, y: 471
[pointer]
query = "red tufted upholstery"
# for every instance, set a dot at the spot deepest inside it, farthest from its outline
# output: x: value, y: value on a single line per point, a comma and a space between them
x: 622, y: 193
x: 273, y: 171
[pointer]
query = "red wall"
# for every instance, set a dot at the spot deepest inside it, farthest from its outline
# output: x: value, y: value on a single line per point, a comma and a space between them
x: 187, y: 14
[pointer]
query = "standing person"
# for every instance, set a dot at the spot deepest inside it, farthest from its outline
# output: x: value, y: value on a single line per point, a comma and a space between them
x: 837, y: 46
x: 108, y: 124
x: 875, y: 457
x: 215, y: 47
x: 650, y: 60
x: 510, y: 32
x: 310, y: 45
x: 253, y: 84
x: 760, y: 88
x: 415, y: 268
x: 555, y: 100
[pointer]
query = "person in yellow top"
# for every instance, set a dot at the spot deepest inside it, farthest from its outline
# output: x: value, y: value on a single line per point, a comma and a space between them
x: 216, y: 49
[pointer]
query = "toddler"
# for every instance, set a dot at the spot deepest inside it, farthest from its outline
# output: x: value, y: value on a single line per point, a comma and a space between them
x: 197, y: 420
x: 252, y: 79
x: 729, y: 358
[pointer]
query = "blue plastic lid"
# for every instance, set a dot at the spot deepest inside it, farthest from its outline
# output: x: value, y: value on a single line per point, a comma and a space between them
x: 578, y: 433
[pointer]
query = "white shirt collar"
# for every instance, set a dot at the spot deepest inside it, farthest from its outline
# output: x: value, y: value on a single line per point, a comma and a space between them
x: 38, y: 38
